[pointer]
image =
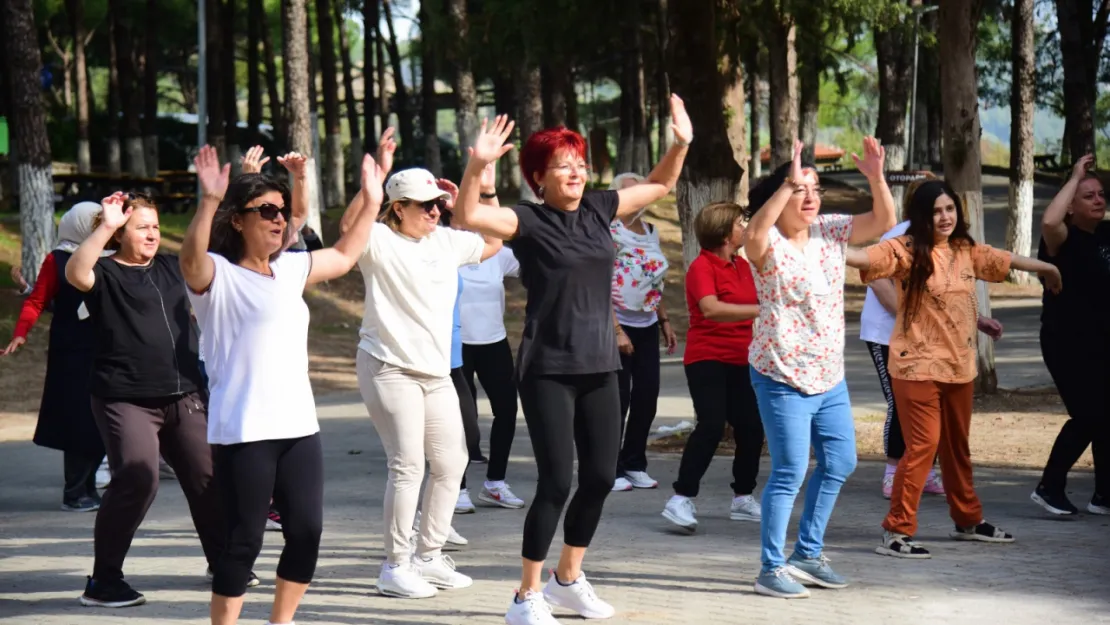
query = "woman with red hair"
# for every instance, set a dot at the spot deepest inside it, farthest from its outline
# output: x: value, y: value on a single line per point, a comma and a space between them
x: 567, y: 362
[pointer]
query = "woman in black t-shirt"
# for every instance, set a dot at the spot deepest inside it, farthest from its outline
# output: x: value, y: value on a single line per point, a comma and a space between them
x: 567, y: 362
x: 1076, y: 239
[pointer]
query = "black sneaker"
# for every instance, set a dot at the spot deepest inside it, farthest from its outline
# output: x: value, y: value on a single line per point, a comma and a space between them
x: 983, y: 532
x: 901, y: 546
x: 81, y: 504
x: 1099, y: 505
x: 479, y: 460
x: 1054, y: 503
x: 252, y: 581
x: 113, y: 594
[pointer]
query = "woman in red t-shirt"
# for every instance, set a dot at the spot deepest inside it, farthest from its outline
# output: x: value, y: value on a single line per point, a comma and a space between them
x: 720, y: 294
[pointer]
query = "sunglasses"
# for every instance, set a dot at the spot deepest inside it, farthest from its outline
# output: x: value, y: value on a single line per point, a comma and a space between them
x: 440, y: 203
x: 269, y: 212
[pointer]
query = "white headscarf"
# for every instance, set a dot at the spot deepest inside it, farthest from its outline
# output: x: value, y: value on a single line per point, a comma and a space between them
x: 618, y: 181
x: 76, y: 225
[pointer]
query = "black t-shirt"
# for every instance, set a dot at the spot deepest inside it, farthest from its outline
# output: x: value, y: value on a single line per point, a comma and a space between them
x: 1084, y: 263
x: 146, y: 345
x: 566, y: 264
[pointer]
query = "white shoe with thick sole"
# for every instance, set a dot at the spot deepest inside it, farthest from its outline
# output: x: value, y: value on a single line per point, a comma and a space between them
x: 440, y: 572
x: 404, y: 581
x: 578, y: 597
x: 682, y: 512
x: 532, y: 610
x: 640, y: 479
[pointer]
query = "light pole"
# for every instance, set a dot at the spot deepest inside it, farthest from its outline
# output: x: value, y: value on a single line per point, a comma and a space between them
x: 918, y: 11
x: 202, y: 82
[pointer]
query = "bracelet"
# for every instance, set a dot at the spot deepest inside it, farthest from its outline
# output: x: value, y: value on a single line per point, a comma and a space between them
x: 487, y: 196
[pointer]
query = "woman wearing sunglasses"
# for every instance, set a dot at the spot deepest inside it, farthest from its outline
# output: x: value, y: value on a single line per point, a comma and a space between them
x: 262, y: 416
x: 404, y: 363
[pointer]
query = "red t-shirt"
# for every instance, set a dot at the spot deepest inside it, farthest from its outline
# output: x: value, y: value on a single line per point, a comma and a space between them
x: 732, y: 283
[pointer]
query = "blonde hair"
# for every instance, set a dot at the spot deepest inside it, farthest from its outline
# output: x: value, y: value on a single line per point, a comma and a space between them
x: 390, y: 217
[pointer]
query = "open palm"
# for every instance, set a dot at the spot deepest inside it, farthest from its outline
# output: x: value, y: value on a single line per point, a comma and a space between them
x: 213, y: 178
x: 491, y: 142
x: 681, y: 125
x: 112, y: 214
x: 874, y: 156
x: 294, y: 163
x: 372, y: 178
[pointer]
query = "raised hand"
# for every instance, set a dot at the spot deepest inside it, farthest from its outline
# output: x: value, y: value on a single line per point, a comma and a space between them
x: 451, y: 188
x: 112, y: 215
x: 797, y: 173
x: 294, y: 163
x: 372, y: 178
x: 681, y: 125
x: 386, y: 147
x: 874, y: 155
x: 1082, y: 166
x: 213, y: 178
x: 489, y: 175
x: 253, y: 160
x: 491, y: 142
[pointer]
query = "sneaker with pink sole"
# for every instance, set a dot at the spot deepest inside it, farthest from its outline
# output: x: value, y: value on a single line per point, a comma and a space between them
x: 934, y: 485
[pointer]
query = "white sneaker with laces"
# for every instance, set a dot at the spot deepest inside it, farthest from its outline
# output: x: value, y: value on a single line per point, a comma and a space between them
x: 464, y: 505
x: 404, y: 581
x: 621, y: 484
x: 682, y: 512
x: 498, y: 494
x: 103, y: 476
x: 578, y: 596
x: 640, y: 479
x: 440, y: 572
x: 745, y: 508
x: 532, y: 610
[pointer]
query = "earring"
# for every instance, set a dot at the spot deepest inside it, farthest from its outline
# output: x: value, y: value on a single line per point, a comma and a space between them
x: 539, y: 192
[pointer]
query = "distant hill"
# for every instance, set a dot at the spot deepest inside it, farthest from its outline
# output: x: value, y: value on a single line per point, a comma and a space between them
x: 1047, y: 128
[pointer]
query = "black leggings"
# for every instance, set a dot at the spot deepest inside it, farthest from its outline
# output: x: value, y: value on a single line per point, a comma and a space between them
x: 1081, y: 379
x: 893, y: 444
x: 468, y: 407
x: 565, y: 413
x: 493, y: 363
x: 292, y: 472
x: 639, y: 387
x: 722, y: 393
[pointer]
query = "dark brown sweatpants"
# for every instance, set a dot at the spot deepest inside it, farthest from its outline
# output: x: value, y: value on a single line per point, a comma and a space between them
x: 135, y: 432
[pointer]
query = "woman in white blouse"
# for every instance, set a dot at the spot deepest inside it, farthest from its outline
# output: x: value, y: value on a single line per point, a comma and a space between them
x: 639, y: 317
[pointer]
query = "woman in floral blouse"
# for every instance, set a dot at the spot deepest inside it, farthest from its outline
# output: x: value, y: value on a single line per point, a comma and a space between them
x: 638, y: 317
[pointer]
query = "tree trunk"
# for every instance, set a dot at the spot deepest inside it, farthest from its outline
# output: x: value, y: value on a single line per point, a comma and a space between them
x: 76, y: 10
x: 733, y: 105
x: 254, y: 72
x: 36, y: 186
x: 404, y: 111
x: 529, y: 102
x: 230, y: 90
x: 959, y: 83
x: 809, y: 93
x: 384, y: 108
x: 370, y: 21
x: 129, y: 96
x: 1019, y: 225
x: 115, y: 166
x: 150, y: 90
x: 504, y: 102
x: 295, y: 52
x: 710, y: 173
x: 313, y: 63
x: 641, y: 154
x: 553, y: 85
x: 1081, y: 40
x: 429, y: 128
x: 626, y: 142
x: 215, y: 78
x: 466, y: 94
x: 570, y: 97
x: 334, y: 192
x: 355, y: 151
x: 784, y: 86
x: 277, y: 114
x: 755, y: 107
x: 662, y: 83
x: 894, y: 53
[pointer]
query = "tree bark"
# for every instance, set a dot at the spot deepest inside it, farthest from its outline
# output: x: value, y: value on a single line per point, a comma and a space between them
x: 355, y: 151
x: 370, y: 19
x: 384, y: 108
x: 295, y: 51
x: 662, y: 82
x: 553, y: 85
x: 76, y: 10
x: 959, y: 82
x: 529, y: 102
x: 1081, y: 40
x: 755, y: 107
x: 115, y: 163
x: 230, y: 91
x: 641, y: 154
x: 334, y: 191
x: 466, y: 93
x: 809, y: 88
x: 254, y: 71
x: 894, y: 52
x: 36, y: 186
x: 710, y: 173
x: 733, y: 105
x: 313, y: 62
x: 150, y: 90
x: 504, y: 102
x: 1019, y: 225
x: 784, y: 85
x: 429, y: 128
x: 277, y: 112
x: 129, y: 95
x: 404, y: 111
x: 214, y: 34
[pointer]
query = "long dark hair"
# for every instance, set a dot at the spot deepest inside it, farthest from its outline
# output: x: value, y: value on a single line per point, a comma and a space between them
x: 922, y: 232
x: 225, y: 240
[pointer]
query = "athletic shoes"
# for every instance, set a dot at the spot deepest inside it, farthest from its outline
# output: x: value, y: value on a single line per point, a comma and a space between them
x: 682, y: 512
x: 439, y: 571
x: 113, y: 594
x: 81, y: 504
x: 103, y: 476
x: 577, y: 596
x: 888, y: 481
x: 816, y: 571
x: 498, y: 494
x: 640, y: 479
x: 273, y: 521
x: 745, y: 508
x: 934, y: 485
x: 779, y: 583
x: 404, y: 581
x: 533, y: 609
x: 1099, y: 505
x: 1054, y: 503
x: 464, y: 505
x: 621, y: 484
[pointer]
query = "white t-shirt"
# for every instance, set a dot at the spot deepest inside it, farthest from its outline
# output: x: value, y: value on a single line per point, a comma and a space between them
x: 875, y: 322
x: 411, y: 285
x: 255, y: 337
x: 482, y: 305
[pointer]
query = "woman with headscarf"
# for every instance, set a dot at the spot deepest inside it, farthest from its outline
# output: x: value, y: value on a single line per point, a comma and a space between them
x: 65, y: 417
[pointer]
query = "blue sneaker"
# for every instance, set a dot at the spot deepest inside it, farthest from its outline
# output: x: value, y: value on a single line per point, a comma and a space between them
x: 815, y: 571
x: 780, y: 583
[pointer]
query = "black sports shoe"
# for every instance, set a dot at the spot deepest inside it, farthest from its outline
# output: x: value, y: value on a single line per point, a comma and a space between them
x: 111, y: 594
x: 1099, y: 505
x: 252, y: 581
x: 479, y: 460
x: 1054, y: 503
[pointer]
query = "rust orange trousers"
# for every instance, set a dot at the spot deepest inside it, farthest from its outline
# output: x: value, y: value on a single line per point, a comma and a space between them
x: 933, y: 415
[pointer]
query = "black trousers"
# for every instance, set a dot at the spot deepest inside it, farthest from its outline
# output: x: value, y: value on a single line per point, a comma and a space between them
x: 893, y: 444
x: 568, y: 413
x: 639, y: 389
x: 292, y: 470
x: 80, y: 476
x: 469, y: 409
x: 722, y: 393
x: 493, y: 364
x: 1081, y: 377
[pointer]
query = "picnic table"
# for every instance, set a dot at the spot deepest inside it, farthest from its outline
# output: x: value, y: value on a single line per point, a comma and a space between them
x: 173, y: 191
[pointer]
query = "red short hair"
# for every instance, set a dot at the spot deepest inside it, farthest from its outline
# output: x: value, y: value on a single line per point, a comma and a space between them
x: 541, y: 146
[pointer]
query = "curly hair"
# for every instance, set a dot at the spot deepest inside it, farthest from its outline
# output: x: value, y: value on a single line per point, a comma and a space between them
x: 225, y: 240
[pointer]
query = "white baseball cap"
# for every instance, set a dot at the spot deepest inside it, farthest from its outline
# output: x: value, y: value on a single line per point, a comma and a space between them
x: 414, y: 184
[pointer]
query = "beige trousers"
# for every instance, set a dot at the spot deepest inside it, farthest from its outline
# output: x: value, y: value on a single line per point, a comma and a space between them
x: 417, y: 418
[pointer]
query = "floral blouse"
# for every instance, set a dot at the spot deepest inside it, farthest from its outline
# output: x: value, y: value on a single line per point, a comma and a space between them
x: 638, y: 270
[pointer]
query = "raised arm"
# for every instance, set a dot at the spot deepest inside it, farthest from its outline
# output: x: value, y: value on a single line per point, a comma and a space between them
x: 196, y: 265
x: 386, y: 148
x: 872, y: 225
x: 294, y: 163
x: 79, y: 268
x: 333, y: 262
x: 663, y: 178
x: 488, y: 220
x: 253, y: 160
x: 1046, y: 271
x: 1053, y: 228
x: 757, y: 235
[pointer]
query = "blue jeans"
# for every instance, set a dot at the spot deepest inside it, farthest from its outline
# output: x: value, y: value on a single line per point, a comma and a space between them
x: 792, y: 421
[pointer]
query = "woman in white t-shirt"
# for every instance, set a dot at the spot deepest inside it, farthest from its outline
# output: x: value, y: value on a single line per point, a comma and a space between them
x: 410, y: 267
x: 248, y: 298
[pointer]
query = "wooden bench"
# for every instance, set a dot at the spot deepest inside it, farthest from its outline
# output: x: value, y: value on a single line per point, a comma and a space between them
x: 1045, y: 162
x: 173, y: 191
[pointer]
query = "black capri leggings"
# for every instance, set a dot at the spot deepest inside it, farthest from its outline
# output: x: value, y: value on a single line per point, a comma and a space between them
x: 493, y: 363
x: 565, y: 413
x: 468, y: 408
x: 292, y: 470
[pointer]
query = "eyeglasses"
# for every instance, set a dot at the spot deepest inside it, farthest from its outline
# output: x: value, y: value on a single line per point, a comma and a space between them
x: 566, y: 168
x: 816, y: 191
x: 269, y: 212
x: 439, y: 203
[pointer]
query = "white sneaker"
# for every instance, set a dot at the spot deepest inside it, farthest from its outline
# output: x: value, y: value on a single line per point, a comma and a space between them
x: 453, y: 537
x: 682, y: 512
x: 498, y: 494
x: 640, y: 479
x: 440, y: 572
x: 403, y: 581
x: 532, y: 610
x: 745, y: 508
x: 578, y: 597
x: 464, y: 505
x: 621, y: 484
x: 103, y: 476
